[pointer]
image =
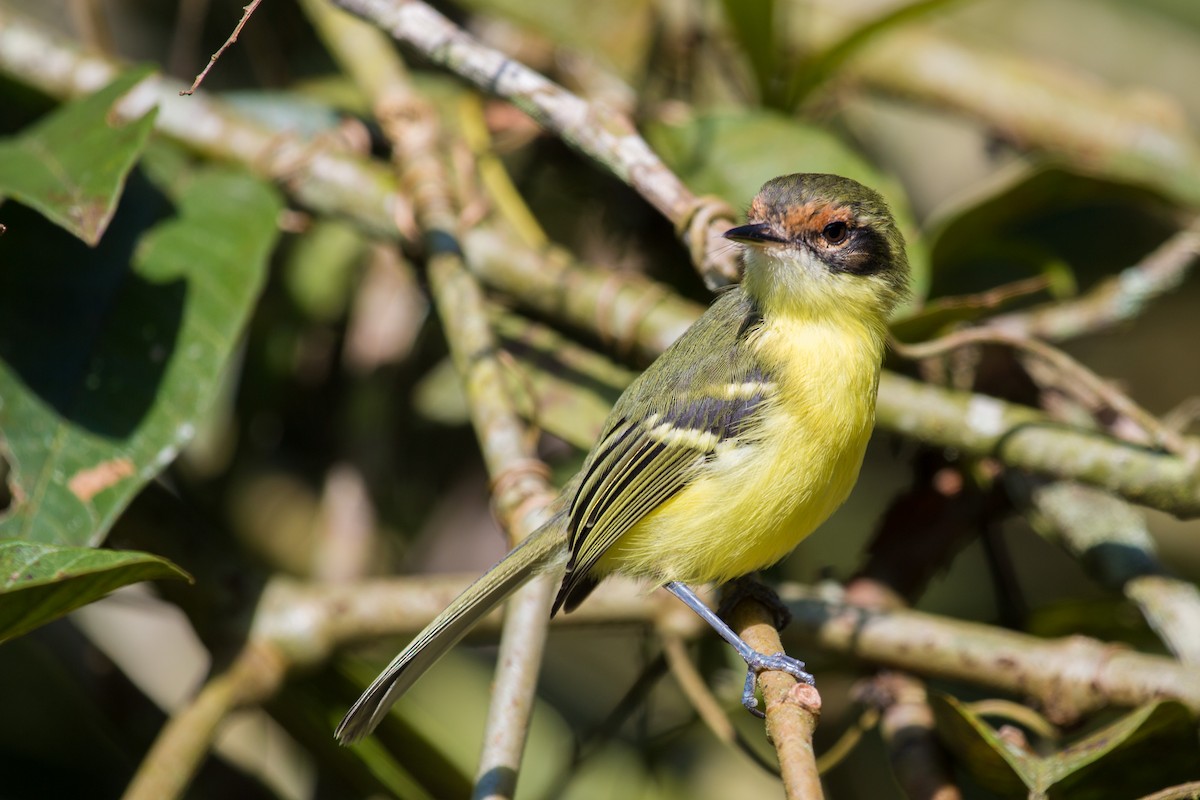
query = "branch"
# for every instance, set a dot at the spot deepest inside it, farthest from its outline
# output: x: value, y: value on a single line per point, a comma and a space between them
x: 1087, y: 388
x: 632, y: 314
x: 907, y: 726
x: 1114, y: 300
x: 233, y: 37
x: 521, y: 491
x: 1025, y: 438
x: 1111, y: 541
x: 1068, y: 677
x: 1040, y: 105
x: 792, y: 708
x: 255, y: 675
x: 602, y: 134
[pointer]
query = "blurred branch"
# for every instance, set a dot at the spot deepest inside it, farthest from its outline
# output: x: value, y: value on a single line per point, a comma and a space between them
x: 165, y: 771
x: 602, y: 134
x: 1111, y: 541
x: 1114, y: 300
x: 1025, y: 438
x: 705, y: 704
x: 629, y: 312
x: 1086, y: 387
x: 1068, y: 677
x: 521, y: 491
x: 792, y: 708
x: 907, y: 726
x: 1129, y: 136
x: 1184, y: 791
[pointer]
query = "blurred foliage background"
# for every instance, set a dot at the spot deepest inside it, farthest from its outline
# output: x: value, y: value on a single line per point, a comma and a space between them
x: 317, y: 430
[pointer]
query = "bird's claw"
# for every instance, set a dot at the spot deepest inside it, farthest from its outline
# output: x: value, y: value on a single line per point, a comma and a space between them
x: 761, y: 662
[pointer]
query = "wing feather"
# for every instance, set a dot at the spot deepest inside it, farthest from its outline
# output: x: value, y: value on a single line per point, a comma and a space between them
x: 661, y: 433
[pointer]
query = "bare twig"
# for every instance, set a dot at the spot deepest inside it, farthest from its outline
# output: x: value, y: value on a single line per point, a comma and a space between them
x: 233, y: 37
x: 792, y: 708
x: 599, y: 133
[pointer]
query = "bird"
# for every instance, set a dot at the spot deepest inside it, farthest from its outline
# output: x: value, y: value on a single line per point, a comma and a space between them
x: 733, y: 445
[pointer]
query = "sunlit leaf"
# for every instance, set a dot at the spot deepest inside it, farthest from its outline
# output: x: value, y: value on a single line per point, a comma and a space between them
x: 72, y: 165
x: 107, y: 359
x: 41, y: 582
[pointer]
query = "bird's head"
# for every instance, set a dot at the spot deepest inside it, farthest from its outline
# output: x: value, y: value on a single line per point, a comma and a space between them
x: 821, y: 245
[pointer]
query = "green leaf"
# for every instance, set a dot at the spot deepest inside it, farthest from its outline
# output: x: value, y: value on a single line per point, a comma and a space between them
x: 1152, y: 746
x: 72, y: 165
x: 753, y: 25
x: 733, y: 153
x: 41, y: 582
x: 818, y: 68
x: 107, y: 360
x: 619, y: 31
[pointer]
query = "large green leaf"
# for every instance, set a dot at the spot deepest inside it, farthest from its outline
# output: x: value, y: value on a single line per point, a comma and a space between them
x: 1150, y: 747
x: 72, y: 165
x: 107, y: 360
x: 734, y: 152
x: 41, y: 582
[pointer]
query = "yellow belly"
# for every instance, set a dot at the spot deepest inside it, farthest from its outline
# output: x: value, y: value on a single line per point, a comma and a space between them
x: 753, y: 503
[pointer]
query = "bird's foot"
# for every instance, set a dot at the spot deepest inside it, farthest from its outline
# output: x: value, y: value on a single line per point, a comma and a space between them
x: 761, y: 662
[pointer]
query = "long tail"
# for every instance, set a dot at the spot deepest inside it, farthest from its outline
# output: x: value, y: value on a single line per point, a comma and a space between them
x: 544, y: 549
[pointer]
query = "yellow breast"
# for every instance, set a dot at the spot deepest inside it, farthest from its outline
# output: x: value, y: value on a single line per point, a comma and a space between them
x: 762, y: 493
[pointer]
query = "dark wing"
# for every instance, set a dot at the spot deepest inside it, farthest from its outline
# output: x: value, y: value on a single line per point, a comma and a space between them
x: 662, y: 429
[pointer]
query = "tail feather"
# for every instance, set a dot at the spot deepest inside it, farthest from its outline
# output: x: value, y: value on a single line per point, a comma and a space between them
x: 545, y: 548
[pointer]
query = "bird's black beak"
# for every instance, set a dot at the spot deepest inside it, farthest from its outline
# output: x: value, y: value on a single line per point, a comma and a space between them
x: 759, y: 233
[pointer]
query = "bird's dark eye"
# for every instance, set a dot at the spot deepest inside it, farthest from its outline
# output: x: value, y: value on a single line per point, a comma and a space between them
x: 835, y: 232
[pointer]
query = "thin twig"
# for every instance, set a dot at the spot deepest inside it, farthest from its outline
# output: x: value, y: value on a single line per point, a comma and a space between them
x: 247, y: 11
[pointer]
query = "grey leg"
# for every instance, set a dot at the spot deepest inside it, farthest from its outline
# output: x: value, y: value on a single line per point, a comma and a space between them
x: 756, y: 662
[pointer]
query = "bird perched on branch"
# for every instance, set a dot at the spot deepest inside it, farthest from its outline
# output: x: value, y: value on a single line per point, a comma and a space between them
x: 734, y: 445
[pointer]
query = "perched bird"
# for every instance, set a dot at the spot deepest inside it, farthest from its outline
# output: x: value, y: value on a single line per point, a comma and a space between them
x: 734, y: 445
